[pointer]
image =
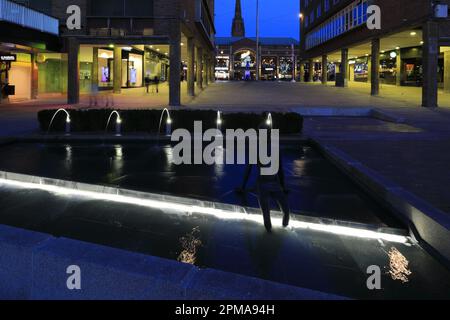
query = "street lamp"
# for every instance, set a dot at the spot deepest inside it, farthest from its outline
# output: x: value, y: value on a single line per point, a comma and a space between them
x: 257, y: 39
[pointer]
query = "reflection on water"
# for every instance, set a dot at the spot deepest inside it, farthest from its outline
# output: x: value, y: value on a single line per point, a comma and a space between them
x: 398, y: 266
x: 316, y: 187
x: 190, y: 244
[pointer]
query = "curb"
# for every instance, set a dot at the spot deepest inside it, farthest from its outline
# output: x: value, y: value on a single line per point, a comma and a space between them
x: 426, y: 223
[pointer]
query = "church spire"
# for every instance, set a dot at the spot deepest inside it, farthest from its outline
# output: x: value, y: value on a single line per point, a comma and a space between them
x: 238, y: 28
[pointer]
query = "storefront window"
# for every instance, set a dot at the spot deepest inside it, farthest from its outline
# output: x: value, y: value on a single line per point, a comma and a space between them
x: 361, y: 69
x: 222, y: 68
x: 286, y: 68
x: 269, y: 68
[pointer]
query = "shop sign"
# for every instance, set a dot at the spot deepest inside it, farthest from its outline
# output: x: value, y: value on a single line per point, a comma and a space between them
x: 8, y: 58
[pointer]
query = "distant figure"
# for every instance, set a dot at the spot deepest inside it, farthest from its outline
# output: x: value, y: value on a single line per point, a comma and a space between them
x: 109, y: 99
x: 156, y: 83
x: 269, y: 187
x: 94, y: 95
x: 147, y: 82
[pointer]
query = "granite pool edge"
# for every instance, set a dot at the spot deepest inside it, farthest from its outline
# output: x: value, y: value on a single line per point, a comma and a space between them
x: 427, y: 224
x: 36, y: 266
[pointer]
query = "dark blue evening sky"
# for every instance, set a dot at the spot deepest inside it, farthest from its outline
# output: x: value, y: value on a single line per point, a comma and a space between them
x: 278, y: 18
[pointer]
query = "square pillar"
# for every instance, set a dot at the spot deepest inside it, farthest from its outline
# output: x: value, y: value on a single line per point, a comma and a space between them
x: 117, y: 81
x: 399, y: 69
x: 311, y: 71
x: 34, y: 77
x: 342, y: 79
x: 206, y: 71
x: 94, y: 73
x: 199, y: 61
x: 175, y: 72
x: 324, y: 69
x: 375, y: 68
x: 447, y: 71
x: 73, y: 72
x: 430, y: 64
x: 191, y: 67
x: 302, y: 72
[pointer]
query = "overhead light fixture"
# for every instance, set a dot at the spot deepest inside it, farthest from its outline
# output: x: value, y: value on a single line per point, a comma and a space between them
x: 393, y: 54
x: 413, y: 33
x: 397, y: 48
x: 421, y: 42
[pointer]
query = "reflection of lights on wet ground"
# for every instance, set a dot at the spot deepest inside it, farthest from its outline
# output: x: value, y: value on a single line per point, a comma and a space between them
x: 190, y: 244
x: 119, y: 151
x: 398, y: 266
x: 193, y: 206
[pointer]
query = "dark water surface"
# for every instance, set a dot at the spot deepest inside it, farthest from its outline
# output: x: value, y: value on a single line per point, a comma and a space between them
x: 316, y: 187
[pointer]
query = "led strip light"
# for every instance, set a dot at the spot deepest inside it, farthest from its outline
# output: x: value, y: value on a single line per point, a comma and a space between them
x: 219, y: 213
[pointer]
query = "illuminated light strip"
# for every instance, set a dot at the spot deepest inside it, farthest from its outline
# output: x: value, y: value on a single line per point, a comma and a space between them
x: 219, y: 213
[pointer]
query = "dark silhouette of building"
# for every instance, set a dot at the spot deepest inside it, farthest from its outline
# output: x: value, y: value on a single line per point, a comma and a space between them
x: 238, y: 27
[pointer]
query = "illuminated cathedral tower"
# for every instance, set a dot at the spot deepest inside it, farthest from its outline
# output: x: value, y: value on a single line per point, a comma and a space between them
x: 238, y: 28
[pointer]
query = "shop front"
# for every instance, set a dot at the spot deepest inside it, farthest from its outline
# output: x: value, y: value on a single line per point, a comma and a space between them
x: 269, y: 66
x: 245, y: 65
x: 132, y: 68
x: 222, y: 69
x: 286, y: 69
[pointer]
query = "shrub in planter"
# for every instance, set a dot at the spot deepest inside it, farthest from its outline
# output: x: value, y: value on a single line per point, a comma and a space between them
x: 94, y: 120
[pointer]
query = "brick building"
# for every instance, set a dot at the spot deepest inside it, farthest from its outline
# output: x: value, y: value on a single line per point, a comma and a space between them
x: 412, y: 48
x: 236, y: 56
x: 122, y: 42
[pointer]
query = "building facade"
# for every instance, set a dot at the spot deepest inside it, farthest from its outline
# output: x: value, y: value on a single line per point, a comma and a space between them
x: 411, y: 47
x: 25, y: 35
x: 122, y: 42
x: 237, y: 56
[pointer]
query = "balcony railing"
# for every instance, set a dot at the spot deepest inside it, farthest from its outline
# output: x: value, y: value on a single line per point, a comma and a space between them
x: 26, y: 17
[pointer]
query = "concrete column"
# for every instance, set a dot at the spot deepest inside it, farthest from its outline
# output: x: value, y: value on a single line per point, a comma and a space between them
x: 34, y: 77
x: 324, y: 69
x: 213, y: 69
x: 311, y: 71
x: 191, y: 67
x: 231, y: 63
x: 73, y: 72
x: 117, y: 81
x: 342, y: 81
x: 206, y: 71
x: 447, y: 71
x: 430, y: 63
x: 399, y: 69
x: 375, y: 68
x: 94, y: 73
x: 302, y: 72
x: 199, y: 61
x: 175, y: 72
x: 369, y: 70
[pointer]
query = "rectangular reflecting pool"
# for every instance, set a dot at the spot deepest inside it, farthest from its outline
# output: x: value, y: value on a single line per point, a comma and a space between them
x: 334, y: 263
